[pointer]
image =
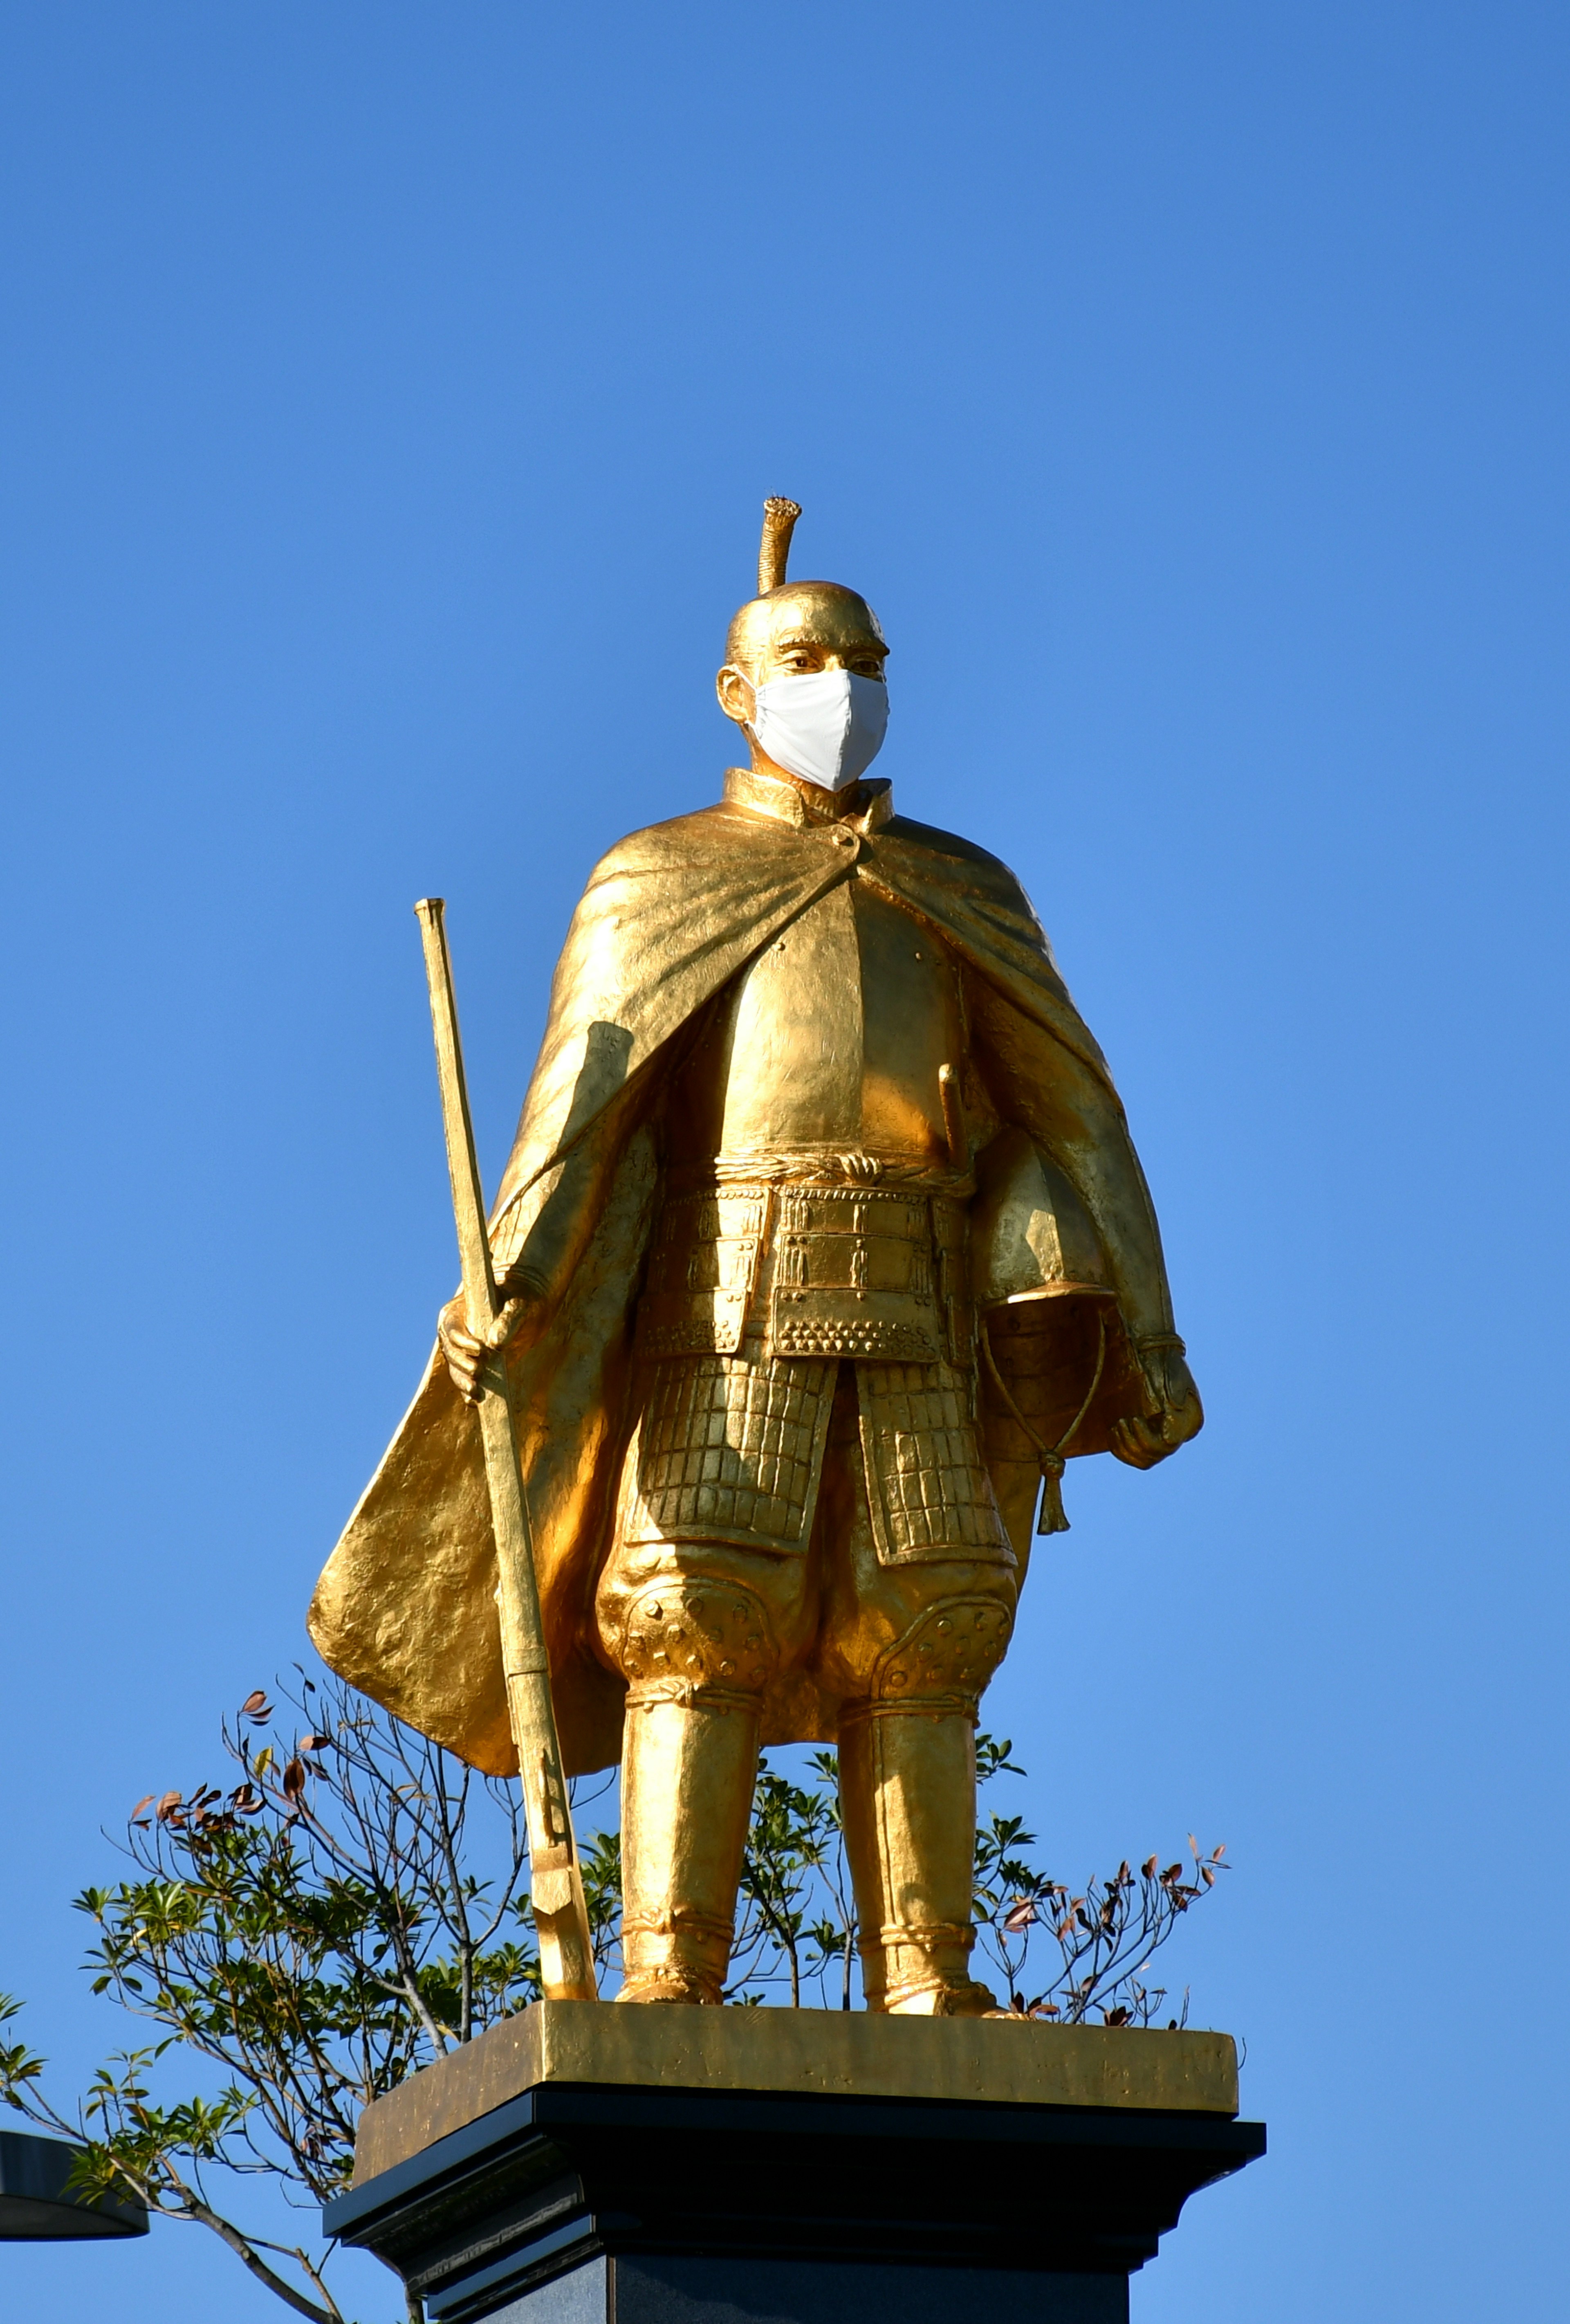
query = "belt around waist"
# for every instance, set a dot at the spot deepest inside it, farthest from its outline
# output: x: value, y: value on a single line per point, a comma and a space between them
x: 821, y: 1168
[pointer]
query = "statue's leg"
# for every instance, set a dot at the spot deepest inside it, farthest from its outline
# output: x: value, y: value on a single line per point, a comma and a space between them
x: 907, y: 1777
x: 699, y: 1627
x: 688, y: 1765
x: 910, y: 1643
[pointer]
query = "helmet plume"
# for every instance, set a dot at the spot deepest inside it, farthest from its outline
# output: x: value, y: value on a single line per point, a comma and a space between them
x: 779, y: 518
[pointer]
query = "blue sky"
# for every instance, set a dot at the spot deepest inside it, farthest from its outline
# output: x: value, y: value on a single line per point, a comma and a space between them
x: 388, y: 394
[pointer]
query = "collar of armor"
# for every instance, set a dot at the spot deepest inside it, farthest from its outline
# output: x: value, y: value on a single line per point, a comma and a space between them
x: 866, y: 806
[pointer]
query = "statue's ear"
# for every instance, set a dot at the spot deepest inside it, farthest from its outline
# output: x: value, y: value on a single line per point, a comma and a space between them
x: 736, y: 700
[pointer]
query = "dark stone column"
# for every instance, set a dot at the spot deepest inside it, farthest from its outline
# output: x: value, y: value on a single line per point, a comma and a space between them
x: 677, y: 2289
x: 582, y: 2204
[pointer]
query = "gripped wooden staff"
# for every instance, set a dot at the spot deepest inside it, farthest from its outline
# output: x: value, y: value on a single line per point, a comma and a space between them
x: 561, y: 1917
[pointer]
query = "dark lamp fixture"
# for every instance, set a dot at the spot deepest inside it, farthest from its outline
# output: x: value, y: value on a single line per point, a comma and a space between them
x: 36, y: 2206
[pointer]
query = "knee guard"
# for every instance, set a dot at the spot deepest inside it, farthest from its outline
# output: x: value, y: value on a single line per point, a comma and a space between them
x: 946, y: 1659
x: 694, y: 1642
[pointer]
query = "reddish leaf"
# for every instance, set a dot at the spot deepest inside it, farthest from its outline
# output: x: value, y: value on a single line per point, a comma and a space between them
x: 137, y: 1811
x: 294, y: 1780
x: 167, y: 1806
x: 1020, y: 1917
x: 1149, y: 1868
x: 315, y: 1743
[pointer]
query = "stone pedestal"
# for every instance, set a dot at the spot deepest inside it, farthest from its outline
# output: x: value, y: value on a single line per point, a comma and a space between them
x: 584, y: 2163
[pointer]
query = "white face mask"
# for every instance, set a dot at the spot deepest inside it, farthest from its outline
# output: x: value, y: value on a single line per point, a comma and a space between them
x: 825, y: 726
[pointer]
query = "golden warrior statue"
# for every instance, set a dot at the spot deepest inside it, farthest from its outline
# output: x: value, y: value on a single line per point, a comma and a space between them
x: 824, y: 1244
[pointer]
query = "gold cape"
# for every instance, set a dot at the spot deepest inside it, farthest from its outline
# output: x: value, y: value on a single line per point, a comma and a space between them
x: 405, y: 1608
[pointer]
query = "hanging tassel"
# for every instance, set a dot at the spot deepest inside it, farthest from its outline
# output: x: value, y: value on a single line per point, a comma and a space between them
x: 1052, y: 1518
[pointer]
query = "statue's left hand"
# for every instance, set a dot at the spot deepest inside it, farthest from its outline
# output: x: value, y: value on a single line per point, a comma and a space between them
x: 1143, y: 1439
x: 465, y: 1353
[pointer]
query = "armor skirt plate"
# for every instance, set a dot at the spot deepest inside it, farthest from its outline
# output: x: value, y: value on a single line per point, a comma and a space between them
x: 730, y: 1449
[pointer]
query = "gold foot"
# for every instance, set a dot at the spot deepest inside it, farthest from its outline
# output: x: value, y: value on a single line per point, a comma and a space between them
x: 671, y: 1986
x: 943, y: 2000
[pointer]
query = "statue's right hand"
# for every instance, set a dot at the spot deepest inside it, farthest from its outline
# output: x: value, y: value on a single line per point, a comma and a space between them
x: 465, y: 1350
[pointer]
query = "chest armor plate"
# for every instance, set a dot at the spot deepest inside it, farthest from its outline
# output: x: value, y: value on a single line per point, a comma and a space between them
x: 813, y: 1189
x: 828, y: 1043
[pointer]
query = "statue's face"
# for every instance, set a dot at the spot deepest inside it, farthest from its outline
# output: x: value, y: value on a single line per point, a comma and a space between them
x: 807, y: 628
